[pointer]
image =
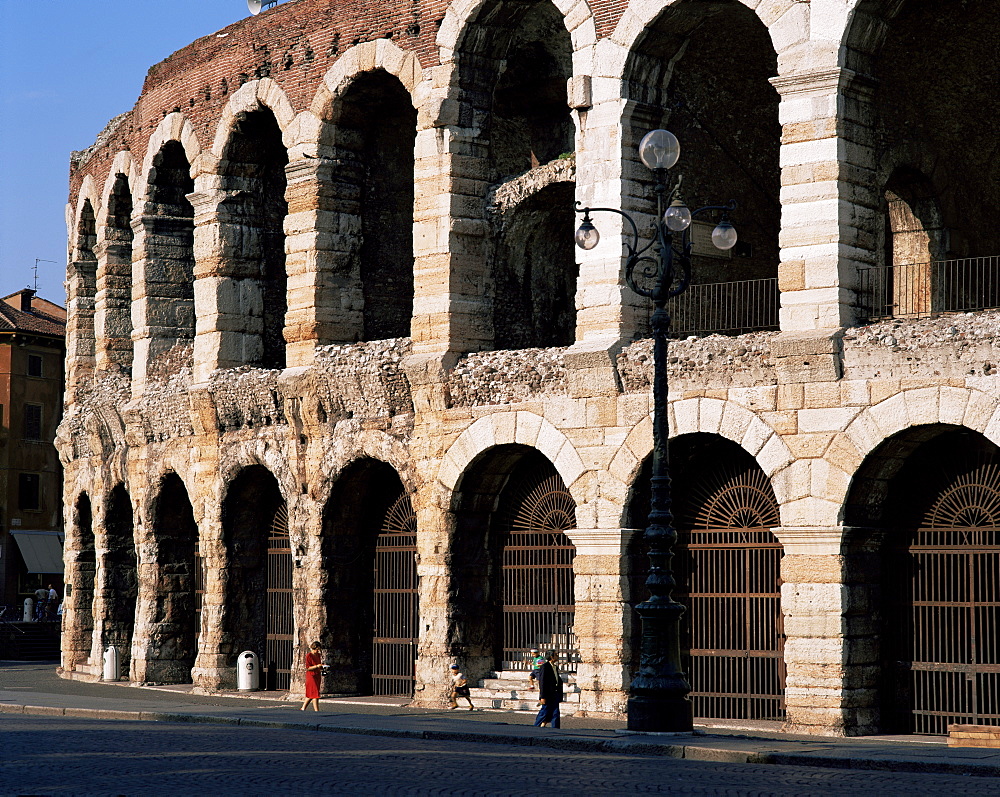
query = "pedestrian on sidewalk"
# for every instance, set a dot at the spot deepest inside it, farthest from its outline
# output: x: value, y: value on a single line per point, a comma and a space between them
x: 51, y: 603
x: 550, y: 692
x: 41, y: 596
x: 314, y: 672
x: 535, y: 661
x: 459, y: 688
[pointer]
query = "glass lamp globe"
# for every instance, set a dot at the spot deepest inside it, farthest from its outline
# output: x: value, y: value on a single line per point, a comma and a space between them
x: 678, y: 216
x: 659, y: 149
x: 587, y: 237
x: 724, y: 235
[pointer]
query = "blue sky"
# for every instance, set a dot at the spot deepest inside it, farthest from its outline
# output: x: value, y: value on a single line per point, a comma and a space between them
x: 67, y: 68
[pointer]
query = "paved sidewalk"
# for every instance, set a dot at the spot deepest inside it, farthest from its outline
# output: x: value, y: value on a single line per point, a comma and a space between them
x: 35, y: 689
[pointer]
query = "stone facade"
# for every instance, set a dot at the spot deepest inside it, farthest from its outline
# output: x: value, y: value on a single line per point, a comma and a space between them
x: 291, y: 343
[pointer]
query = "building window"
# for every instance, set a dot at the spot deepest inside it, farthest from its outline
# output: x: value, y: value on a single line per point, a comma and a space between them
x: 34, y: 365
x: 32, y: 421
x: 27, y: 491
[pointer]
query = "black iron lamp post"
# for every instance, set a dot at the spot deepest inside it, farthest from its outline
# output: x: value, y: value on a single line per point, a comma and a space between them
x: 658, y: 698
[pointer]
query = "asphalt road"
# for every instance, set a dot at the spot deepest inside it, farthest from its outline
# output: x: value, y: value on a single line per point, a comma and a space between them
x: 57, y: 756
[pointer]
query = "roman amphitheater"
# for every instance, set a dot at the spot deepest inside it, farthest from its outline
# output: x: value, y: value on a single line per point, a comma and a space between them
x: 336, y: 370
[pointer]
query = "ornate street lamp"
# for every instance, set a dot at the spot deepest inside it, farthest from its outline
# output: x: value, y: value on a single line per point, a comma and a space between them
x: 658, y: 698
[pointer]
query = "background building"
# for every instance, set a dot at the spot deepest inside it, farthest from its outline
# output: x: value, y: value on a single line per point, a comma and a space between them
x: 335, y: 370
x: 32, y: 348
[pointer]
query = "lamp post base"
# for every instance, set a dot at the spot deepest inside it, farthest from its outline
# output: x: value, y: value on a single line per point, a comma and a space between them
x: 664, y: 714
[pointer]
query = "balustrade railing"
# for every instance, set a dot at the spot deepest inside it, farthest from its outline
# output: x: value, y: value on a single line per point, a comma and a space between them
x: 922, y: 289
x: 725, y: 308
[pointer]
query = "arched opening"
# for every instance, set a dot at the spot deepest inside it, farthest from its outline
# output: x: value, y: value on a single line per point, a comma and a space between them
x: 120, y: 585
x: 258, y: 610
x: 174, y: 634
x: 166, y: 307
x: 370, y: 543
x: 926, y: 554
x: 81, y: 582
x: 512, y: 565
x: 81, y: 296
x: 702, y: 70
x: 931, y: 120
x: 514, y: 63
x: 376, y: 126
x: 727, y: 567
x: 253, y: 171
x: 114, y: 282
x: 538, y: 306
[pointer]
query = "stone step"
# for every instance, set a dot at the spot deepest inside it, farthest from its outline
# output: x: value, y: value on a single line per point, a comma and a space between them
x: 524, y: 695
x: 513, y: 704
x: 520, y: 685
x: 522, y: 676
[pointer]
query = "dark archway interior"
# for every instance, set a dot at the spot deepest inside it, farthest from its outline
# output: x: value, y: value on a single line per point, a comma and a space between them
x: 121, y: 587
x: 169, y: 277
x: 889, y: 499
x: 701, y: 465
x: 83, y: 279
x: 118, y: 275
x: 86, y: 567
x: 702, y: 70
x: 176, y: 535
x: 515, y: 59
x: 377, y: 126
x: 253, y: 166
x: 536, y: 273
x: 482, y: 505
x: 248, y: 512
x: 351, y: 522
x: 936, y: 106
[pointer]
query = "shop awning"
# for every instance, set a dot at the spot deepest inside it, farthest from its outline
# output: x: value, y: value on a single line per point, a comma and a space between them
x: 41, y: 550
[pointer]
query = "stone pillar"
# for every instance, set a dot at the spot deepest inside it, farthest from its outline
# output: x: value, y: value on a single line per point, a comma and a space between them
x: 603, y: 619
x: 229, y: 305
x: 829, y: 208
x: 162, y: 306
x: 112, y: 314
x: 434, y: 651
x: 78, y: 620
x: 325, y: 299
x: 81, y: 288
x: 830, y: 657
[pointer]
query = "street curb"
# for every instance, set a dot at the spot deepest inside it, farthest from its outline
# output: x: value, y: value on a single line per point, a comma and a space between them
x: 579, y: 744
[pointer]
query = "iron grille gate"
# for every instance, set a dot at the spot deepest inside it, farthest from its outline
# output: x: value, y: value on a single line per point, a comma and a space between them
x: 538, y: 602
x: 948, y: 617
x: 280, y: 619
x: 728, y: 566
x: 396, y: 603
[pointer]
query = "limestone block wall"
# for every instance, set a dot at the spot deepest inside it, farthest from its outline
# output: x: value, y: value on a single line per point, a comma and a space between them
x: 261, y: 298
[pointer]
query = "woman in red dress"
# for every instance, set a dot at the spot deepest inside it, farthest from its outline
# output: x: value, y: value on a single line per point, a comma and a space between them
x: 314, y: 671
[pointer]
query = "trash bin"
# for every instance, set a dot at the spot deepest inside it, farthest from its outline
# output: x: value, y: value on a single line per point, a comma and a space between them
x: 248, y: 672
x: 29, y: 610
x: 112, y: 670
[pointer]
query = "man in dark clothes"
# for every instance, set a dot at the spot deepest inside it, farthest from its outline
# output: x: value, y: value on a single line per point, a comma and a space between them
x: 550, y: 692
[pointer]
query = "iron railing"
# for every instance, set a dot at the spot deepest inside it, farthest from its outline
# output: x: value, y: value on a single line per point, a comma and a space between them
x: 725, y: 308
x: 914, y: 290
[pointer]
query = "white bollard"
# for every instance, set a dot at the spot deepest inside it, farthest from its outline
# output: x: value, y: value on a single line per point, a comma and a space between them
x: 248, y: 672
x: 29, y: 610
x: 112, y: 672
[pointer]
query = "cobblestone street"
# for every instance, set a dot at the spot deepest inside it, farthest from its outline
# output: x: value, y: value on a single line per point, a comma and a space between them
x: 71, y: 756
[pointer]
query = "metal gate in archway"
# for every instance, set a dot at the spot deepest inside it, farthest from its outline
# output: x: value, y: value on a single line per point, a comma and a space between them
x: 538, y: 600
x: 396, y: 609
x: 946, y: 617
x: 280, y: 616
x: 728, y: 563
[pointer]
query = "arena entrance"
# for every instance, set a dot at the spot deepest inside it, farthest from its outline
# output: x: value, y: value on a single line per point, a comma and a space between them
x: 537, y: 569
x: 280, y: 604
x: 395, y: 603
x: 370, y: 543
x: 727, y: 567
x: 943, y: 590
